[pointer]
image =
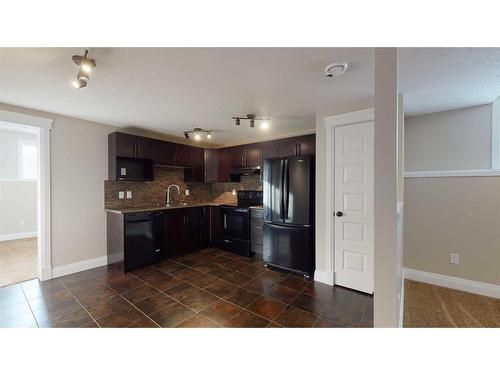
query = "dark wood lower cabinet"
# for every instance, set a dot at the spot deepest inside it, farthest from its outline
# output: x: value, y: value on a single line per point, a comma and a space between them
x: 186, y: 229
x: 215, y: 225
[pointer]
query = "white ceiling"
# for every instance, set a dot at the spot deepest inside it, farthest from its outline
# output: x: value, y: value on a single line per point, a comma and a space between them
x: 173, y: 89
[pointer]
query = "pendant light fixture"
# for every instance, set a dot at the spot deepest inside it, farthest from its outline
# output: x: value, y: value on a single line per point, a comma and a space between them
x: 86, y: 65
x: 198, y: 133
x: 252, y: 118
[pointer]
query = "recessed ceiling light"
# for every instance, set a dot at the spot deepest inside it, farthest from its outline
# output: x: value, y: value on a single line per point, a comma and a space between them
x: 336, y: 69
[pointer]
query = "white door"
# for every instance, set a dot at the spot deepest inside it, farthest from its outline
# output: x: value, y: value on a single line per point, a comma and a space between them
x: 354, y: 206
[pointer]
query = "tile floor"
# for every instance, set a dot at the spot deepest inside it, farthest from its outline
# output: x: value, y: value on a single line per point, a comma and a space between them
x: 206, y: 288
x: 18, y: 260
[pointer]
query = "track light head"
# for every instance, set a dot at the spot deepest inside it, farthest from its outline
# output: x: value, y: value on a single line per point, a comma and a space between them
x: 186, y: 135
x: 237, y: 121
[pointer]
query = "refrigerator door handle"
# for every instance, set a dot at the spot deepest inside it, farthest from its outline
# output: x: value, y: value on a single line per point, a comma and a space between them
x: 282, y: 163
x: 286, y: 190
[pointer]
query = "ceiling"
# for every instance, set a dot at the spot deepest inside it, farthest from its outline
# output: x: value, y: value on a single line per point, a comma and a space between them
x: 171, y: 90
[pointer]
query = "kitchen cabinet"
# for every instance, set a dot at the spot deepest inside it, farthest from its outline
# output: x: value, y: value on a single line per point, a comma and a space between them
x: 197, y: 171
x: 296, y: 146
x: 223, y: 159
x: 164, y: 153
x: 182, y: 229
x: 253, y: 157
x: 237, y: 156
x: 286, y: 147
x: 307, y: 145
x: 173, y: 222
x: 183, y: 153
x: 191, y: 230
x: 144, y: 148
x: 268, y: 149
x: 129, y: 157
x: 249, y: 156
x: 130, y: 146
x: 211, y: 165
x: 214, y: 225
x: 205, y: 226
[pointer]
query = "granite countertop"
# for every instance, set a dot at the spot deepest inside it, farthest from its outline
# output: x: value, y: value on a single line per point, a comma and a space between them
x: 160, y: 208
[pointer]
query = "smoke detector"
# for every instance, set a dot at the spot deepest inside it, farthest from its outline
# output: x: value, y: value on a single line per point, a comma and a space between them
x: 335, y: 69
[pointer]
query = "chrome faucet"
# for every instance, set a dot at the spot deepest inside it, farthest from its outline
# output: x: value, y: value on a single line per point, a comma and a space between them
x: 168, y: 193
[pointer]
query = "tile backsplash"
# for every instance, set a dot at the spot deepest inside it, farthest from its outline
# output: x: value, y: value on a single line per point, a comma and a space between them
x: 153, y: 193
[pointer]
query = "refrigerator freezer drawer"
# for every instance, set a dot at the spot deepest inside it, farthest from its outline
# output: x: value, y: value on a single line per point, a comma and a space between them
x: 289, y: 247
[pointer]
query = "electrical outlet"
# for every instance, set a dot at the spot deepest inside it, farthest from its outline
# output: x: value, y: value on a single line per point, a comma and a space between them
x: 454, y: 258
x: 187, y: 192
x: 129, y: 194
x: 121, y: 194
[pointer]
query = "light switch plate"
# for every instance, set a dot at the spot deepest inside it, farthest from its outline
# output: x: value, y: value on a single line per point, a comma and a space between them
x: 454, y: 258
x: 129, y: 194
x: 187, y: 192
x: 121, y: 194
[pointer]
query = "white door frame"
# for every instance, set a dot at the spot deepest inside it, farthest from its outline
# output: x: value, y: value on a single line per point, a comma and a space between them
x: 350, y: 118
x: 43, y: 126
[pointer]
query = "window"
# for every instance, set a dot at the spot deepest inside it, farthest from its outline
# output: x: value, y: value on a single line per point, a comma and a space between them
x: 27, y: 159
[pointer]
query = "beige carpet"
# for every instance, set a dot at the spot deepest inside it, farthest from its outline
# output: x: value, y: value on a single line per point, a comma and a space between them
x: 18, y: 260
x: 434, y: 306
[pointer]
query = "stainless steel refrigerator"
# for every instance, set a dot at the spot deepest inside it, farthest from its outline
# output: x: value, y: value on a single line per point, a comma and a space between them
x: 289, y: 213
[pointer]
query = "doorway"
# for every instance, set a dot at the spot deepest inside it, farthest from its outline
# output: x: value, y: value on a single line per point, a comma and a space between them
x: 19, y: 155
x: 25, y: 236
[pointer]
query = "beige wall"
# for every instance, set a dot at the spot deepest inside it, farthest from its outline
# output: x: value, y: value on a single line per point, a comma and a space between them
x: 453, y: 214
x: 78, y: 170
x: 78, y: 167
x: 452, y: 140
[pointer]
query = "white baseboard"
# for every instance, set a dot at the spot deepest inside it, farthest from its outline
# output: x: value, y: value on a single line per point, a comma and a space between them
x: 477, y: 287
x: 17, y: 236
x: 325, y: 277
x: 79, y: 266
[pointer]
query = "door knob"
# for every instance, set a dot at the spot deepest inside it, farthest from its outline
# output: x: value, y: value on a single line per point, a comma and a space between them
x: 339, y: 213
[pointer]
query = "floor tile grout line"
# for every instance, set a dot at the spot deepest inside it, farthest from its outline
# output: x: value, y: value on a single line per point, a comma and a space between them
x: 69, y: 291
x: 29, y: 305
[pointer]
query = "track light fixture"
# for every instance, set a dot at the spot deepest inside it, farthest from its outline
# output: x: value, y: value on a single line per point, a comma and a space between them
x: 86, y: 66
x: 252, y: 118
x: 197, y: 133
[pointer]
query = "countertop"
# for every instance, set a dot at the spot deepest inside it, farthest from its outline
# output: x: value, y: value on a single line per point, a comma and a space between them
x: 163, y: 208
x: 159, y: 208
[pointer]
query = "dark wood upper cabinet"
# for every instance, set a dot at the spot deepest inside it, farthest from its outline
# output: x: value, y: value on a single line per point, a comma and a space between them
x: 307, y: 145
x: 286, y: 147
x: 183, y: 153
x: 164, y: 153
x: 253, y: 155
x: 223, y: 158
x: 268, y: 149
x: 197, y: 165
x: 144, y: 148
x: 211, y: 165
x: 125, y: 145
x: 237, y: 156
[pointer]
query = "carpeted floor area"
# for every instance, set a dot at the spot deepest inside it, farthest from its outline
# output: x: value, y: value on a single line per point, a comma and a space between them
x: 429, y: 305
x: 18, y: 260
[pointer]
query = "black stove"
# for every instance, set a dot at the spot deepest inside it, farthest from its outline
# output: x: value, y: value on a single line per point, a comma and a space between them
x: 235, y: 222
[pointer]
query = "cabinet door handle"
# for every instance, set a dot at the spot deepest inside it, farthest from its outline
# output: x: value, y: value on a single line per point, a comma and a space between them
x: 225, y: 221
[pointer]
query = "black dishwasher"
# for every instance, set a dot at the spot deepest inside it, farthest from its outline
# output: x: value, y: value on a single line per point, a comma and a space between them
x: 143, y: 239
